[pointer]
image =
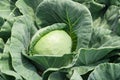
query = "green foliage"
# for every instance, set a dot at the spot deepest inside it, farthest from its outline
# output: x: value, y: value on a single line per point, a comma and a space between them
x: 92, y: 25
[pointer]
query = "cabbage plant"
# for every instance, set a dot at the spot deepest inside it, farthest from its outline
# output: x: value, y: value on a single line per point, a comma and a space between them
x: 59, y: 40
x: 52, y: 43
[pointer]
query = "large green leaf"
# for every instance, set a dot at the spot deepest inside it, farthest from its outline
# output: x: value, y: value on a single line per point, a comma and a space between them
x: 20, y: 38
x: 44, y: 62
x: 91, y: 56
x: 75, y: 15
x: 109, y: 71
x: 6, y: 66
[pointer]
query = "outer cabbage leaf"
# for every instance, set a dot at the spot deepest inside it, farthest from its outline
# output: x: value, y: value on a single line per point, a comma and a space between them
x: 6, y: 66
x: 107, y: 71
x: 75, y: 15
x: 91, y: 56
x: 21, y: 33
x: 44, y: 62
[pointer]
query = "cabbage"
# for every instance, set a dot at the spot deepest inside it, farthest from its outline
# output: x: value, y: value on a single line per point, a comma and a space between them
x: 55, y: 42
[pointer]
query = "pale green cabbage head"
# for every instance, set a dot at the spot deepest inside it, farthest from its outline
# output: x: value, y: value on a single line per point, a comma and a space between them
x: 56, y: 42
